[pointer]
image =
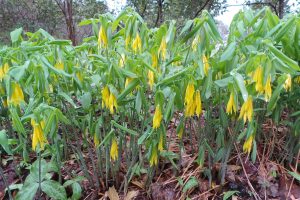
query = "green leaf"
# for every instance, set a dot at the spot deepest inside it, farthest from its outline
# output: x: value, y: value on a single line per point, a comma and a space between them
x: 293, y: 64
x: 67, y: 98
x: 145, y: 135
x: 240, y: 82
x: 138, y: 102
x: 16, y: 34
x: 86, y: 100
x: 76, y: 190
x: 17, y: 122
x: 128, y: 89
x: 60, y: 42
x: 224, y: 82
x: 284, y: 29
x: 228, y: 53
x: 74, y: 180
x: 18, y: 72
x: 28, y: 191
x: 192, y: 182
x: 4, y: 142
x: 295, y: 175
x: 169, y: 110
x: 54, y: 190
x: 131, y: 132
x: 229, y: 194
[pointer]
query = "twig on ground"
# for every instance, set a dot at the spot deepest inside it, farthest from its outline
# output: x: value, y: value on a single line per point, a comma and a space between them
x: 256, y: 196
x: 296, y: 167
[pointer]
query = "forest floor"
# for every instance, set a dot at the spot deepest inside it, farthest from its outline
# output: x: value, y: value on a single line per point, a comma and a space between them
x: 266, y: 178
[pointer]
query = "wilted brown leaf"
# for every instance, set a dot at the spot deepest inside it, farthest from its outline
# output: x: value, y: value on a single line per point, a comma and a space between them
x: 130, y: 195
x: 113, y: 194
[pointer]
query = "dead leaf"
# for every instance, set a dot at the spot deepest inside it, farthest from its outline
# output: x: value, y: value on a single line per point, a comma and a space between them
x: 139, y: 184
x: 130, y: 195
x: 113, y: 194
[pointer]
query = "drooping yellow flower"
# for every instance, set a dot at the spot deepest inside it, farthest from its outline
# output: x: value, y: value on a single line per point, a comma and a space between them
x: 247, y: 110
x: 3, y: 71
x: 288, y: 83
x: 195, y: 42
x: 127, y: 81
x: 127, y: 41
x: 105, y: 97
x: 268, y: 89
x: 38, y: 137
x: 59, y: 65
x: 4, y: 103
x: 17, y: 95
x: 114, y: 149
x: 79, y: 76
x: 96, y: 140
x: 163, y: 49
x: 154, y: 157
x: 157, y: 117
x: 190, y: 109
x: 161, y: 142
x: 189, y: 100
x: 206, y: 64
x: 248, y: 144
x: 180, y: 133
x: 189, y: 93
x: 122, y: 60
x: 198, y: 103
x: 258, y: 79
x: 231, y: 106
x: 297, y: 79
x: 154, y: 60
x: 150, y: 78
x: 137, y: 44
x: 102, y: 38
x: 112, y: 103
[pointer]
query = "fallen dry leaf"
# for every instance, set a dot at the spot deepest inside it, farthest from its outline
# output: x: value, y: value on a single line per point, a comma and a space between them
x: 113, y: 194
x: 130, y: 195
x: 137, y: 183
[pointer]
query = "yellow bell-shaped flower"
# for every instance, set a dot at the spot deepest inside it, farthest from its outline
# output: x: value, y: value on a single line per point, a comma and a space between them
x: 195, y: 42
x: 247, y: 110
x: 38, y: 137
x: 268, y: 89
x: 157, y: 117
x: 17, y: 95
x: 102, y: 38
x: 206, y: 64
x: 189, y: 93
x: 297, y: 79
x: 79, y: 76
x: 105, y: 97
x: 163, y: 49
x: 114, y: 149
x: 3, y: 71
x: 112, y: 104
x: 150, y: 78
x: 137, y: 44
x: 154, y: 157
x: 127, y: 81
x: 231, y: 106
x: 258, y: 79
x: 161, y: 142
x: 154, y: 60
x: 59, y: 65
x: 198, y: 103
x: 248, y: 144
x: 288, y: 83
